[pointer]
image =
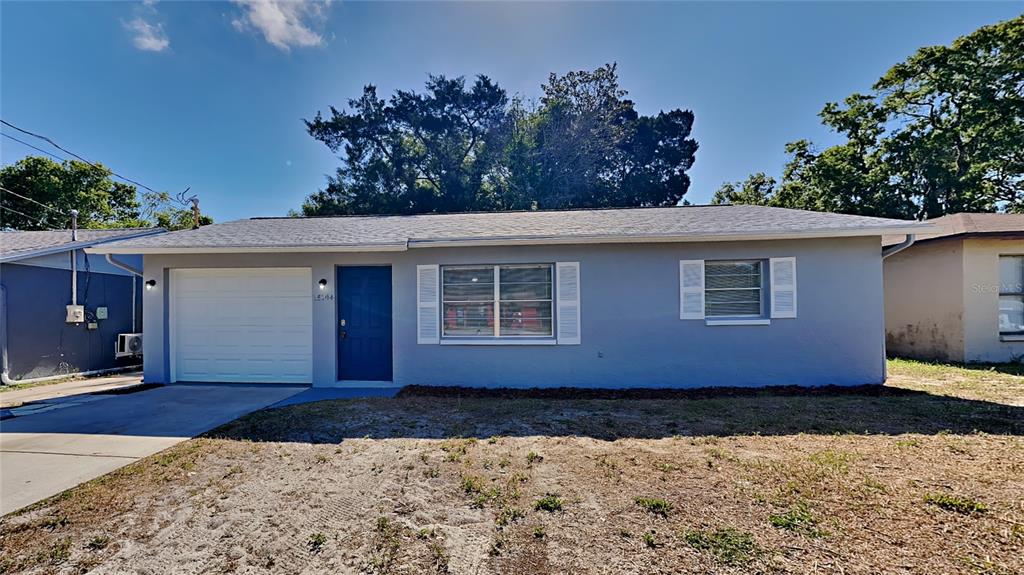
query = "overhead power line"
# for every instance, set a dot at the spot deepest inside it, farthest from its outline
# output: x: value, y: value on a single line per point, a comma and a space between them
x: 36, y: 148
x: 37, y: 220
x: 70, y: 153
x: 31, y: 200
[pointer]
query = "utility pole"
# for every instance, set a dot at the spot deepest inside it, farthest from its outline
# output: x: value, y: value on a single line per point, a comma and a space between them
x: 195, y: 212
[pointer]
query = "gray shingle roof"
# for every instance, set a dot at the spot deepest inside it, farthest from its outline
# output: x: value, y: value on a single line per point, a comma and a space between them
x: 360, y: 233
x: 967, y: 224
x: 20, y: 244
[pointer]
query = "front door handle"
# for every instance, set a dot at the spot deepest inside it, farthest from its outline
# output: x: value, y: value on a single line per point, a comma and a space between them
x: 343, y: 334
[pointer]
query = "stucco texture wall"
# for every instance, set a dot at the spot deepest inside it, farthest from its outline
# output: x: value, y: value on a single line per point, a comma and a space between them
x: 924, y: 294
x: 631, y: 332
x: 982, y: 342
x: 39, y: 341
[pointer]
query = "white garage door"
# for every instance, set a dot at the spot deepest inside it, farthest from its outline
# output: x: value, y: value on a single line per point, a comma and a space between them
x: 242, y: 325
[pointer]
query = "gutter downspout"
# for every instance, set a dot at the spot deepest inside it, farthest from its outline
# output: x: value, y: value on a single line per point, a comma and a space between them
x: 122, y: 265
x: 135, y: 272
x: 886, y: 252
x: 895, y: 249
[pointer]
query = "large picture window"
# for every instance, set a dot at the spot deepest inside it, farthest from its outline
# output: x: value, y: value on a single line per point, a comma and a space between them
x: 733, y: 288
x: 497, y: 301
x: 1011, y: 295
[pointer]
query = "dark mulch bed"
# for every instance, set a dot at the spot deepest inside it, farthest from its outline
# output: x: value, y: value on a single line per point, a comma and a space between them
x: 651, y: 393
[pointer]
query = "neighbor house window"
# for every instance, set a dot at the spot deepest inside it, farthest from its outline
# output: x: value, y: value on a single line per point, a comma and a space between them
x: 733, y: 288
x: 1011, y: 294
x: 497, y: 301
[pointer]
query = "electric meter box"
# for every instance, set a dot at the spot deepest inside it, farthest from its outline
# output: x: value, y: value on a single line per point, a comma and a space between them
x: 76, y: 314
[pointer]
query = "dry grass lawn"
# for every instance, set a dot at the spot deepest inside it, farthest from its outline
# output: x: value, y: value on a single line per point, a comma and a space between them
x: 926, y: 481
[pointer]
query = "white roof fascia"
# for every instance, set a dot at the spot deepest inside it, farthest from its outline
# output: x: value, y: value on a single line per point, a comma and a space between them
x: 86, y: 244
x: 249, y: 249
x: 526, y: 240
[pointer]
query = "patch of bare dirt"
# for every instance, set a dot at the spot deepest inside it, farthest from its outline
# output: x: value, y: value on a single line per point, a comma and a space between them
x: 913, y: 483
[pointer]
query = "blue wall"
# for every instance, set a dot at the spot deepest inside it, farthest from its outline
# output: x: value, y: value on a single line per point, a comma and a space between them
x: 631, y: 332
x: 40, y: 343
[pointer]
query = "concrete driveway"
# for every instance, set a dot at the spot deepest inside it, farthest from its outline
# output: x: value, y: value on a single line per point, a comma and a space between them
x: 45, y: 453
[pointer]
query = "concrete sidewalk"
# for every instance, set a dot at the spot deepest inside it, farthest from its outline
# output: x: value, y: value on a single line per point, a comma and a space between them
x: 45, y: 453
x: 16, y: 397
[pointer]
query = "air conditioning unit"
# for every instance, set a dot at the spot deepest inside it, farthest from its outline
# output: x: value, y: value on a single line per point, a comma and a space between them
x: 128, y: 344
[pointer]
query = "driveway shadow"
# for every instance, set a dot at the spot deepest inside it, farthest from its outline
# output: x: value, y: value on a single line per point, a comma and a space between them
x: 637, y: 414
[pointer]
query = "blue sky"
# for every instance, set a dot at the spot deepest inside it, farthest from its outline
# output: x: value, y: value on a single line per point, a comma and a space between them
x: 211, y: 95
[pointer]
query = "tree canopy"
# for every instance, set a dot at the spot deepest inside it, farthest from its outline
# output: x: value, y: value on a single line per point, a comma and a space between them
x: 462, y: 146
x: 89, y: 188
x: 940, y: 133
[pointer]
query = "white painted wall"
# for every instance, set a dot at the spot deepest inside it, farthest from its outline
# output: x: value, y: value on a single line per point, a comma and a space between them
x: 982, y: 342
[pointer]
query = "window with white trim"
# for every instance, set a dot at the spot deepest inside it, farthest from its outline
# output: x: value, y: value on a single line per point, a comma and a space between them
x: 493, y: 301
x: 734, y: 288
x: 1011, y: 295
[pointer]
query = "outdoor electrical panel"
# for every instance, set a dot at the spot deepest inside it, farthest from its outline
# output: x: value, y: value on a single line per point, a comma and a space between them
x: 101, y: 313
x: 76, y: 314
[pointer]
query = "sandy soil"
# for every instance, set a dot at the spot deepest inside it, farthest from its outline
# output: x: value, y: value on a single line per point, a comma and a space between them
x: 909, y: 484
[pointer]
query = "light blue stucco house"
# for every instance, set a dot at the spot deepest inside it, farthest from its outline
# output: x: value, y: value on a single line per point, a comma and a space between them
x: 646, y: 297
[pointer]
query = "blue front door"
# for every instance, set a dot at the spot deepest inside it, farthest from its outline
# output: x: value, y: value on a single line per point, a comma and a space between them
x: 364, y: 323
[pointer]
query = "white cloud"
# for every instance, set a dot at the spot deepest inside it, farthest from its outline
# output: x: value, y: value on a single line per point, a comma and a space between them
x: 283, y: 23
x: 147, y: 36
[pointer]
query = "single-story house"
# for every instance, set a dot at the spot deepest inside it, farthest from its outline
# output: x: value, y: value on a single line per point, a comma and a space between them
x: 644, y: 297
x: 958, y: 294
x: 38, y: 338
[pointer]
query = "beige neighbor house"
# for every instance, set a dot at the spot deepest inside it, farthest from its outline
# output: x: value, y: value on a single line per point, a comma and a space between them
x: 958, y: 295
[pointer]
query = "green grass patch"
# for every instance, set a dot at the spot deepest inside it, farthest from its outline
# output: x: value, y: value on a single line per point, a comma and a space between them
x: 955, y: 503
x: 797, y: 518
x: 550, y: 503
x: 833, y: 460
x: 316, y: 542
x: 654, y: 505
x: 728, y: 545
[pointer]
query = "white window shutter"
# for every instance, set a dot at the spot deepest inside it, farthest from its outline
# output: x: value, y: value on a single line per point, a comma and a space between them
x: 783, y: 284
x: 428, y: 317
x: 691, y: 289
x: 567, y: 282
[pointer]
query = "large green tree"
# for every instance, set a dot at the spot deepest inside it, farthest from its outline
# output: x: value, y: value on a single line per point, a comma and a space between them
x: 461, y: 148
x: 101, y: 201
x: 942, y: 132
x: 415, y: 153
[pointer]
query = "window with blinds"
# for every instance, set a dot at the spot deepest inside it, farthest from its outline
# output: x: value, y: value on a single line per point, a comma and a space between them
x: 733, y: 288
x: 497, y: 301
x: 1011, y: 295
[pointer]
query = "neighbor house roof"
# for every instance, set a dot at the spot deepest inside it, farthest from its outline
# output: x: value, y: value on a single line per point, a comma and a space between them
x: 963, y: 225
x: 394, y: 233
x: 18, y: 245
